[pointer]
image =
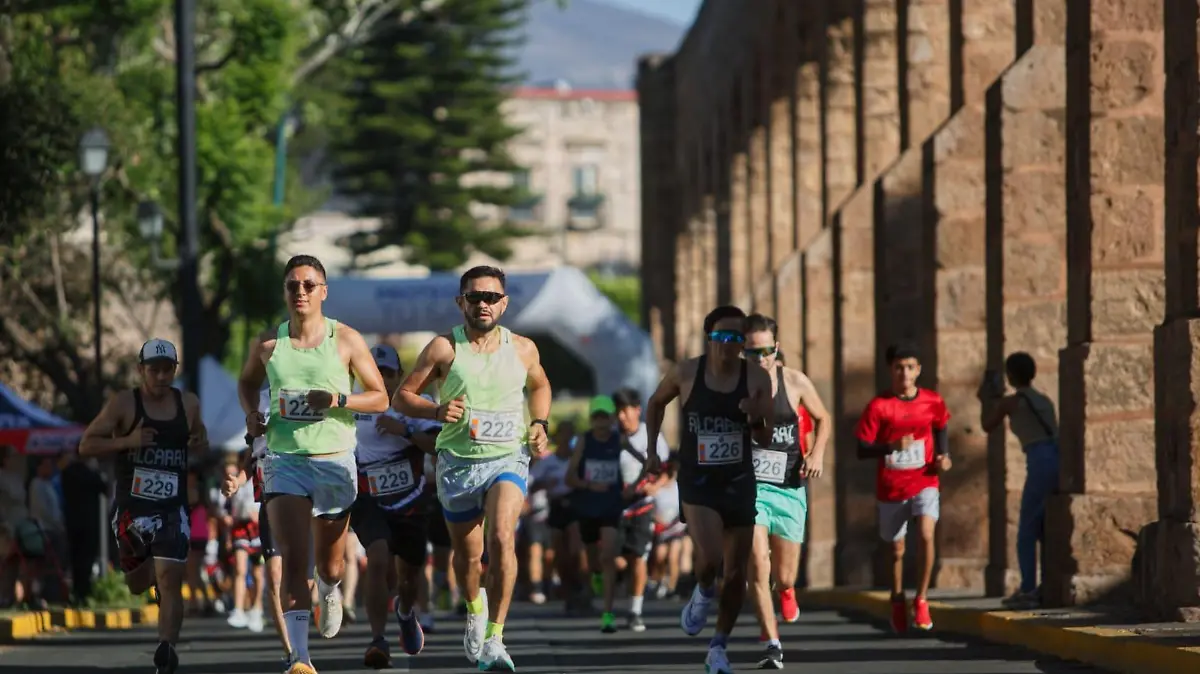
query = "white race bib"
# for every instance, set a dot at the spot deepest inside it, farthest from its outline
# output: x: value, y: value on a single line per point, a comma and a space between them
x: 154, y: 485
x: 716, y: 449
x: 495, y: 428
x: 770, y: 466
x: 603, y: 472
x: 390, y: 479
x: 909, y: 458
x: 293, y: 406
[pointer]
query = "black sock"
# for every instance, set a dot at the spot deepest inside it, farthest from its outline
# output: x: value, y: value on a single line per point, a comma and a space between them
x: 162, y: 655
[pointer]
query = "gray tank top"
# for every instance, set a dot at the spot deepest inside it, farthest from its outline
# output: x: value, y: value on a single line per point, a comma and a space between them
x: 1034, y: 419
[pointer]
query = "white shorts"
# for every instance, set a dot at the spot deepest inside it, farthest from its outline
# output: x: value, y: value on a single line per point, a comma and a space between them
x: 330, y: 481
x: 894, y: 516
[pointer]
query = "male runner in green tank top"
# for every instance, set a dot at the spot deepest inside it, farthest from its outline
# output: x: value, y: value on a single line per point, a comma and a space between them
x: 483, y: 371
x: 310, y: 478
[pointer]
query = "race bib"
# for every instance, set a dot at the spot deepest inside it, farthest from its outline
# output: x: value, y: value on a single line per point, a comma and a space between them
x: 390, y: 479
x: 603, y: 472
x: 770, y: 465
x: 154, y: 485
x: 293, y: 406
x: 495, y: 427
x: 720, y: 448
x: 909, y: 458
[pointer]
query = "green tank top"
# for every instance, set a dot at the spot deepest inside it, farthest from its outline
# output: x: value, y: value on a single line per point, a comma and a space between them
x: 494, y: 422
x: 292, y: 427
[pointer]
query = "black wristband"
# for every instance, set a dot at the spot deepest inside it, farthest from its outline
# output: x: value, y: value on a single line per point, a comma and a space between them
x: 543, y: 423
x: 341, y: 400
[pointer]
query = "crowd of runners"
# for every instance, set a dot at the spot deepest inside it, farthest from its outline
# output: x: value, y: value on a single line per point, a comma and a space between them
x: 440, y: 484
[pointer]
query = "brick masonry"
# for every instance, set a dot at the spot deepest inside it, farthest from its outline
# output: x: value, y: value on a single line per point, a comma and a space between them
x: 982, y: 178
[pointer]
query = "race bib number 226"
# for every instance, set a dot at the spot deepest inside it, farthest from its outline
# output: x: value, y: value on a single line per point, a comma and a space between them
x: 720, y: 448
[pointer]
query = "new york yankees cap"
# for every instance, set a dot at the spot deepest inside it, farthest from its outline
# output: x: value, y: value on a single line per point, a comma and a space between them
x: 158, y: 349
x: 386, y: 356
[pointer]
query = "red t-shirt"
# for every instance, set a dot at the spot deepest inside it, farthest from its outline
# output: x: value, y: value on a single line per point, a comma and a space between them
x: 806, y: 427
x: 902, y: 475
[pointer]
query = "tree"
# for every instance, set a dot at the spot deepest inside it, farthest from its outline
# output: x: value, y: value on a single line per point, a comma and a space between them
x: 425, y: 120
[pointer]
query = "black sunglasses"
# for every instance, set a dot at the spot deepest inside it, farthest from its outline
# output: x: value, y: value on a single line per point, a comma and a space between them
x: 483, y: 296
x: 293, y: 287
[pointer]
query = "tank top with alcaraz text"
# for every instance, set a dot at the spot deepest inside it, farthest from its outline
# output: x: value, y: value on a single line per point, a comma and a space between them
x: 714, y: 446
x: 154, y: 479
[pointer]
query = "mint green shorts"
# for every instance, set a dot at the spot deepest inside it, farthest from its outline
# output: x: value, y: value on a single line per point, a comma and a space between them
x: 782, y: 511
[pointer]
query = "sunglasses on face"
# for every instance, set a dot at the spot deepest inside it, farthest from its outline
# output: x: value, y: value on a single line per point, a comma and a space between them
x: 726, y: 337
x: 760, y: 353
x: 294, y: 287
x: 483, y: 296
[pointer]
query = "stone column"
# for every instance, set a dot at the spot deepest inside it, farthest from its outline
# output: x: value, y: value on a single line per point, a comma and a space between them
x: 761, y: 291
x: 1026, y: 251
x: 854, y: 385
x: 924, y: 26
x: 739, y: 194
x: 1115, y: 297
x: 656, y: 95
x: 806, y: 192
x: 839, y: 119
x: 1167, y: 563
x: 878, y: 90
x: 722, y: 167
x: 819, y: 359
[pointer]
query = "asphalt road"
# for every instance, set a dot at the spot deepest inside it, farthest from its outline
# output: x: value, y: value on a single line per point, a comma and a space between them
x: 541, y: 641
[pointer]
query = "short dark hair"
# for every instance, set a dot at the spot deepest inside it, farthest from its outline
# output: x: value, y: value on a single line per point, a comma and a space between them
x: 902, y: 350
x: 626, y: 397
x: 1021, y: 367
x: 482, y: 271
x: 305, y: 261
x: 719, y: 314
x: 779, y: 357
x: 760, y: 323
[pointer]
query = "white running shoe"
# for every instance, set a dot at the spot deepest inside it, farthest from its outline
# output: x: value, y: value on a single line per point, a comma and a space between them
x: 494, y: 657
x: 254, y: 620
x: 237, y: 619
x: 331, y: 609
x: 476, y: 629
x: 694, y: 616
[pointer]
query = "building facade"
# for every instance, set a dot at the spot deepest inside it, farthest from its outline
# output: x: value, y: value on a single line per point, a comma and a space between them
x: 980, y: 178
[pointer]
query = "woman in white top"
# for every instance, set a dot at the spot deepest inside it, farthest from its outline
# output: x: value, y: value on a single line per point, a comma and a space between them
x: 1031, y: 418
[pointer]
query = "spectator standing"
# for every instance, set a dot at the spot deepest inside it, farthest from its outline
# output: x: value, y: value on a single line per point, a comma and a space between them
x: 82, y: 487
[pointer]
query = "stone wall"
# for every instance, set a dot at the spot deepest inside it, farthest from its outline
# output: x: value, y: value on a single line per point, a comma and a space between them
x: 981, y: 177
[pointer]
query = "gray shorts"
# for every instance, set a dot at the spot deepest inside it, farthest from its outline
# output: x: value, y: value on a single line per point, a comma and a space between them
x: 894, y: 517
x: 463, y: 484
x: 330, y: 481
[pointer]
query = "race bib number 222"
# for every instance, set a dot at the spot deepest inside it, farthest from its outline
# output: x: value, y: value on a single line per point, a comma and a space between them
x: 293, y: 406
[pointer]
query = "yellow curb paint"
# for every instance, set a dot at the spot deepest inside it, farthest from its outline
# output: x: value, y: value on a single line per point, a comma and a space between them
x: 1114, y: 649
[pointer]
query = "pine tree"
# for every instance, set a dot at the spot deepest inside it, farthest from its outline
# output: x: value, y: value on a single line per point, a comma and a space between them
x: 425, y: 113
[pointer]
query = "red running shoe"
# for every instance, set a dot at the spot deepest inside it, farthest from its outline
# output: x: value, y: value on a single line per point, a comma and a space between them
x: 899, y: 616
x: 921, y: 618
x: 788, y: 606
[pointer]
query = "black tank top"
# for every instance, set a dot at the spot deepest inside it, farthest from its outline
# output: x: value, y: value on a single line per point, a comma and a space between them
x: 601, y: 462
x: 715, y: 444
x: 769, y: 466
x: 155, y: 478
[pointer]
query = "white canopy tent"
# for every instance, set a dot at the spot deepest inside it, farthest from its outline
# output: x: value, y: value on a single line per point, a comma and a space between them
x: 562, y: 304
x: 219, y: 406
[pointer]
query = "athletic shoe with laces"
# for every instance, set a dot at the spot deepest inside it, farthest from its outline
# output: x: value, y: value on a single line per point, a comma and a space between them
x: 717, y: 661
x: 789, y: 609
x: 694, y: 616
x: 412, y: 635
x: 899, y: 616
x: 166, y: 660
x: 476, y: 629
x: 772, y: 657
x: 921, y: 618
x: 330, y: 618
x: 378, y: 655
x: 635, y: 623
x: 494, y: 656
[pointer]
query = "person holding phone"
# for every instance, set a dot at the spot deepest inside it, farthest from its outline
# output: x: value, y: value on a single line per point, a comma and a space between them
x: 904, y: 430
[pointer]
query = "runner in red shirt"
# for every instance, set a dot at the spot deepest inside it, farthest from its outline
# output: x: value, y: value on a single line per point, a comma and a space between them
x: 904, y: 430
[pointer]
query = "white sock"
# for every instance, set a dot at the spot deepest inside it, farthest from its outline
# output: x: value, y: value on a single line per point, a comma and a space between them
x: 297, y: 631
x: 635, y: 605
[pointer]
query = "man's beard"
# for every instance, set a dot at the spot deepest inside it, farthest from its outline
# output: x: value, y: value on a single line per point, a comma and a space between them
x: 481, y: 324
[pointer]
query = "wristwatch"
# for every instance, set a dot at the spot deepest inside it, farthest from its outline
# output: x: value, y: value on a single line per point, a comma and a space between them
x: 341, y: 400
x: 543, y: 423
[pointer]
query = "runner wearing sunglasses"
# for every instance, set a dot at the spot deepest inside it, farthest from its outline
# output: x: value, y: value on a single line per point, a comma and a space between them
x: 725, y: 404
x: 782, y: 471
x: 310, y: 478
x: 483, y: 371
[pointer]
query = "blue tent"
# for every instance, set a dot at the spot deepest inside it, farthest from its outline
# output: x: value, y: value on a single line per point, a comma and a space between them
x: 562, y: 304
x: 33, y: 430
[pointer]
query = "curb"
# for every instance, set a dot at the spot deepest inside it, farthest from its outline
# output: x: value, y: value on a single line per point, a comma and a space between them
x: 1114, y: 649
x: 29, y: 625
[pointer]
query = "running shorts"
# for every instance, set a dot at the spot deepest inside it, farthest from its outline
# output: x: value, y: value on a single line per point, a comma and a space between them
x: 733, y: 500
x: 463, y: 484
x: 141, y: 535
x: 404, y: 529
x: 782, y: 511
x: 264, y: 534
x: 894, y: 516
x: 635, y: 534
x: 330, y: 481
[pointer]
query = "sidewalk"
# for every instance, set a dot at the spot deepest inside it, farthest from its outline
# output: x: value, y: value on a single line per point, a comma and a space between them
x: 1083, y: 635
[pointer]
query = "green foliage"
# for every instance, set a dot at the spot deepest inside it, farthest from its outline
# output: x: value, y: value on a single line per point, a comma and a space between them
x: 424, y: 120
x: 111, y: 592
x: 623, y: 291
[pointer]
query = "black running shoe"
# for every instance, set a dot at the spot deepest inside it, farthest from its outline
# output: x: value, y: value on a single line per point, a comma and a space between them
x: 166, y: 661
x: 772, y: 658
x: 635, y: 624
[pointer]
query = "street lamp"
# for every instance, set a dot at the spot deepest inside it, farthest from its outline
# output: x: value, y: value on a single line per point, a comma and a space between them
x: 93, y: 160
x: 150, y: 223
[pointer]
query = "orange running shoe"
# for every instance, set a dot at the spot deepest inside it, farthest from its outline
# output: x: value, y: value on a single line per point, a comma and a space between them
x: 788, y: 606
x: 921, y: 618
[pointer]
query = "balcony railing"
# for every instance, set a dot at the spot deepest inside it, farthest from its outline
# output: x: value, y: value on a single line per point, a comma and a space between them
x: 585, y: 211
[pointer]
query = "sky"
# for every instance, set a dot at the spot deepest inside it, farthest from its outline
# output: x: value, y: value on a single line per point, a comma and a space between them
x: 679, y: 11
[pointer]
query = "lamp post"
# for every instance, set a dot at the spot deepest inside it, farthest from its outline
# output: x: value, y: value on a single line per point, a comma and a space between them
x: 93, y: 160
x: 150, y: 224
x: 189, y: 238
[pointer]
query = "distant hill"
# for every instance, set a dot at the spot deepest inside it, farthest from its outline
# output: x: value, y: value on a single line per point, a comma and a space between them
x: 590, y: 44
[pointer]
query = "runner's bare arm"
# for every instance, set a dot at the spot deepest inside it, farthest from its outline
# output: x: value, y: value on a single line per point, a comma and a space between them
x: 811, y: 400
x: 99, y: 438
x: 656, y: 406
x: 197, y: 433
x: 254, y: 372
x: 535, y: 382
x: 758, y: 384
x: 572, y: 477
x: 374, y: 396
x: 431, y: 365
